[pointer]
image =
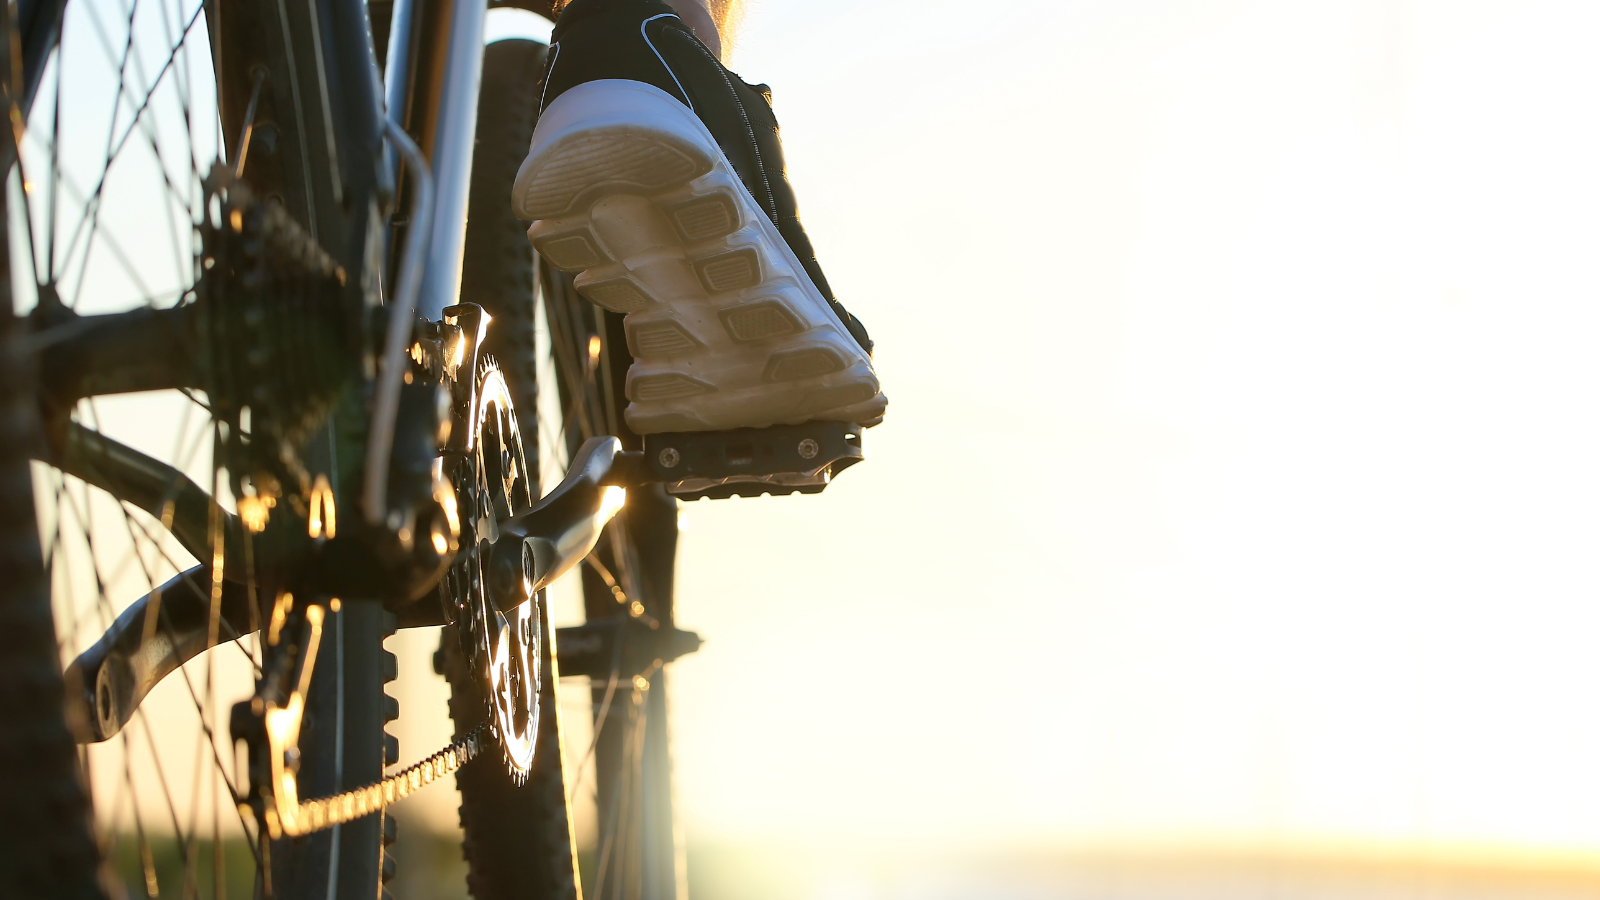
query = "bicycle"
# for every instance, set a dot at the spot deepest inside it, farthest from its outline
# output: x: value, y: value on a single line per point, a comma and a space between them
x: 339, y: 251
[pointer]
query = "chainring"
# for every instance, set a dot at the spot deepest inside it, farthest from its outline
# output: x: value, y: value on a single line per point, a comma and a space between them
x: 503, y: 649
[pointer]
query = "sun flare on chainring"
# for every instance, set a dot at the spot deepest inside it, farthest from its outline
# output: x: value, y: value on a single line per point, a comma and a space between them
x: 492, y: 483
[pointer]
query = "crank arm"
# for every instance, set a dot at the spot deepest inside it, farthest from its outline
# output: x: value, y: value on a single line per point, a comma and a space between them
x: 154, y: 636
x: 538, y: 546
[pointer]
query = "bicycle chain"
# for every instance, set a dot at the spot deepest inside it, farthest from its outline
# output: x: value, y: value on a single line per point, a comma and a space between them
x: 325, y: 812
x: 270, y: 725
x: 503, y: 647
x: 498, y: 649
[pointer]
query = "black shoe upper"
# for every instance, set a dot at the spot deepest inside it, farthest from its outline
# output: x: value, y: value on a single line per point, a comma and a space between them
x: 644, y: 40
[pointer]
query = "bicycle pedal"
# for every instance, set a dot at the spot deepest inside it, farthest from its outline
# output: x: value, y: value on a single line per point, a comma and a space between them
x: 779, y: 460
x: 593, y: 649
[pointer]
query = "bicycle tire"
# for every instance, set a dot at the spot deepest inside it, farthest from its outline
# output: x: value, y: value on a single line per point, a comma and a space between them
x: 638, y: 850
x: 517, y: 839
x: 48, y: 846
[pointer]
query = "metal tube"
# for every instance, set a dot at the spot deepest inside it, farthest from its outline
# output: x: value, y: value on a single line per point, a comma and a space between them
x: 434, y: 68
x: 455, y: 128
x: 401, y: 318
x: 397, y: 69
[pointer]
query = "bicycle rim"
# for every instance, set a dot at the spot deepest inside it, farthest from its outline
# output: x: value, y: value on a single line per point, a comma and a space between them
x: 517, y: 839
x: 566, y: 370
x: 105, y: 206
x: 625, y: 772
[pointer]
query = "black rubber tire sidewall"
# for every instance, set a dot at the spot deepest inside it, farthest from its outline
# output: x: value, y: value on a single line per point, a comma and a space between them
x: 517, y: 839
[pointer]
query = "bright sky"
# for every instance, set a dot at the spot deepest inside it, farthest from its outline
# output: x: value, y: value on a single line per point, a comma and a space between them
x: 1239, y: 481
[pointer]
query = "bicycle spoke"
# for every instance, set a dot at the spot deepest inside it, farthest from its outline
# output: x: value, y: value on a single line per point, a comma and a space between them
x: 52, y: 551
x: 234, y: 637
x: 128, y: 124
x: 185, y: 82
x: 152, y: 888
x: 192, y: 845
x: 103, y: 602
x: 617, y: 836
x: 201, y: 700
x: 115, y: 146
x: 216, y: 842
x: 137, y: 529
x: 110, y: 838
x: 147, y: 129
x: 27, y: 215
x: 599, y: 720
x: 55, y: 185
x: 123, y: 259
x: 105, y: 167
x: 161, y: 777
x: 201, y: 706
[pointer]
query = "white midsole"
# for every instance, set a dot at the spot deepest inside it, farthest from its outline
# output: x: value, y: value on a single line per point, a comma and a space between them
x: 630, y: 189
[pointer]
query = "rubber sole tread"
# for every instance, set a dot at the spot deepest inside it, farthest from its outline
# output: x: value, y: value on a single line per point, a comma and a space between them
x: 628, y: 190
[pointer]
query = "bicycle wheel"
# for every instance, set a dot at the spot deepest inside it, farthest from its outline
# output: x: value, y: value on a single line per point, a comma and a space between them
x: 109, y: 201
x: 630, y: 636
x: 517, y: 838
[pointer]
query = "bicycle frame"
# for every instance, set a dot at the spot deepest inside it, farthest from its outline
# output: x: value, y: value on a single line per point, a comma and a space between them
x: 330, y: 88
x: 432, y: 75
x: 331, y: 92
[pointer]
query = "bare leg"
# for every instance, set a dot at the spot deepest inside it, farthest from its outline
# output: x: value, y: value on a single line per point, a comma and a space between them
x: 712, y: 158
x: 708, y: 18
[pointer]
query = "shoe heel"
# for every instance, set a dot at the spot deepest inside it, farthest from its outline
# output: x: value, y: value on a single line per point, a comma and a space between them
x: 609, y: 135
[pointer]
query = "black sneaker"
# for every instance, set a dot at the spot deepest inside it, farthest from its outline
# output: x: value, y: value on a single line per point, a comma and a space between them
x: 657, y: 175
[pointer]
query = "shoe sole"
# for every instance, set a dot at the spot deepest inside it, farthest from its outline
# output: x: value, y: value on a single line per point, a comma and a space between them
x: 628, y: 189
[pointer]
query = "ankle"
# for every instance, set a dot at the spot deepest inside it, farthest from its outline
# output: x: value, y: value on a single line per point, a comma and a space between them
x: 697, y: 15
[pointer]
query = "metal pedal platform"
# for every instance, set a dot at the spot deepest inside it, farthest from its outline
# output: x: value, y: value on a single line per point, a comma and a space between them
x: 780, y: 460
x: 592, y: 648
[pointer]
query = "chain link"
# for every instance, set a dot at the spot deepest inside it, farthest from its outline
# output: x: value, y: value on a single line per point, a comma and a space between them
x: 325, y: 812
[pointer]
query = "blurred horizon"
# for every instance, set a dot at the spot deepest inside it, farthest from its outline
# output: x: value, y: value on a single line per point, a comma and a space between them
x: 1234, y: 490
x: 822, y: 871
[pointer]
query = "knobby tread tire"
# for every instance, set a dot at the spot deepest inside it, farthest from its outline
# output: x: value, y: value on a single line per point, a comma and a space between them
x: 46, y: 846
x: 497, y: 265
x: 517, y: 840
x: 349, y: 858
